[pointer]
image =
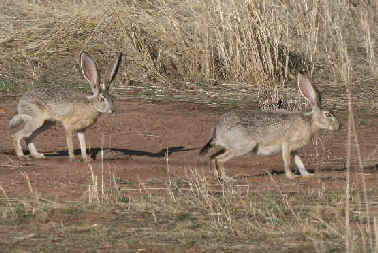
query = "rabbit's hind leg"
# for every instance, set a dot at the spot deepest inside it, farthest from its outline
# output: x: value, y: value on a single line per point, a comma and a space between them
x: 29, y: 140
x: 28, y: 133
x: 219, y: 159
x: 17, y: 137
x: 69, y: 133
x: 287, y: 157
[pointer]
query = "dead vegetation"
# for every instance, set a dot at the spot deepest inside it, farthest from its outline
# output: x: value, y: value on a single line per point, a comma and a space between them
x: 174, y: 46
x: 190, y: 213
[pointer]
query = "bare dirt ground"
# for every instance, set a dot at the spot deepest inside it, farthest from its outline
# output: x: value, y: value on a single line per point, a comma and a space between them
x: 141, y: 133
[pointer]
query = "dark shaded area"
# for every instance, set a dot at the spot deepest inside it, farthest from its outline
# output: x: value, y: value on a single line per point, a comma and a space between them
x: 126, y: 153
x: 95, y: 153
x: 117, y: 153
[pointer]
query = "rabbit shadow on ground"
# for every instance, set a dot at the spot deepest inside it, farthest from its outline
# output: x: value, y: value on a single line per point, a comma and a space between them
x: 121, y: 153
x: 109, y: 153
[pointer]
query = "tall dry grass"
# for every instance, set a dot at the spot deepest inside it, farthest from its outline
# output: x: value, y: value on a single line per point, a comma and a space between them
x: 259, y: 43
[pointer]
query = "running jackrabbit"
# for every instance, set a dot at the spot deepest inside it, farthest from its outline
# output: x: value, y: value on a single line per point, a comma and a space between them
x: 265, y: 133
x: 76, y: 111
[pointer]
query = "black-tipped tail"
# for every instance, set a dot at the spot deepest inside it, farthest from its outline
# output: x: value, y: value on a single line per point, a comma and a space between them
x: 205, y: 149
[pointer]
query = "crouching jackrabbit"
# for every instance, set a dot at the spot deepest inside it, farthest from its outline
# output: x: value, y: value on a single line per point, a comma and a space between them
x: 265, y: 133
x: 42, y: 105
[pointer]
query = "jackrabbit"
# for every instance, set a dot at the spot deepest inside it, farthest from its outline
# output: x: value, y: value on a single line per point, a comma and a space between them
x: 265, y: 133
x: 41, y: 106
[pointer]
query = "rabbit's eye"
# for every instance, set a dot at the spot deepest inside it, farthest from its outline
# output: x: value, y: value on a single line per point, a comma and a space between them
x: 101, y: 98
x: 328, y: 114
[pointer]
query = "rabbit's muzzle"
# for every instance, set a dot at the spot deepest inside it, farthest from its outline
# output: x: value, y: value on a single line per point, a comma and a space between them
x: 326, y: 120
x: 335, y: 126
x: 333, y: 123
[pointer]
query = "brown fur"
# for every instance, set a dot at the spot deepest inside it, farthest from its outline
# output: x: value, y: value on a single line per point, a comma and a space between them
x: 264, y: 133
x: 76, y: 111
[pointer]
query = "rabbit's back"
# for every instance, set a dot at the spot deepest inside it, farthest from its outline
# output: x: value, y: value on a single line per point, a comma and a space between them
x: 52, y: 95
x: 263, y: 128
x: 53, y: 102
x: 254, y: 121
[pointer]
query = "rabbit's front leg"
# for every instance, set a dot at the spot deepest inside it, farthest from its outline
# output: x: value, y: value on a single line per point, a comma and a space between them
x: 286, y: 156
x: 69, y: 133
x: 83, y: 146
x: 301, y: 167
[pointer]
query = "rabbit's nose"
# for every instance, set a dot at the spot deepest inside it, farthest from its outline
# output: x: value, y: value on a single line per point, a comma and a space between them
x: 336, y: 126
x: 108, y: 111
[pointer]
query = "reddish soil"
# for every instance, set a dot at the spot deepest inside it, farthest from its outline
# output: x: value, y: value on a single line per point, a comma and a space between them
x: 142, y: 132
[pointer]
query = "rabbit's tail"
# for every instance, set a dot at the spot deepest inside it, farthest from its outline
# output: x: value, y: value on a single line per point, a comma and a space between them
x: 17, y: 120
x: 205, y: 149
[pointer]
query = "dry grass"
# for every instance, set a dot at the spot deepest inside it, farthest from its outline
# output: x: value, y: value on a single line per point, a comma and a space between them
x: 177, y: 46
x: 191, y: 213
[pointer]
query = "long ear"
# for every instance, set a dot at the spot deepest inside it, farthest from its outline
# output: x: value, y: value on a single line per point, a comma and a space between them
x: 114, y: 70
x: 308, y: 90
x: 88, y: 67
